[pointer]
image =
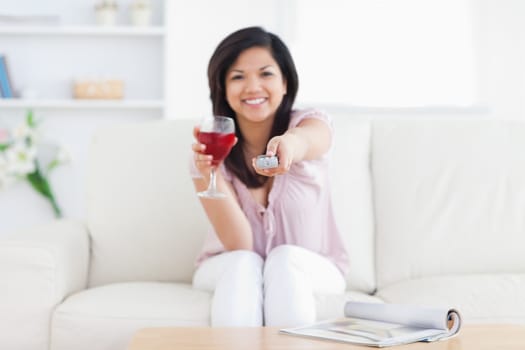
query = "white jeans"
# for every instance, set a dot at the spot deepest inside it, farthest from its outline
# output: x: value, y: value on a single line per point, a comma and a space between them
x: 282, y: 289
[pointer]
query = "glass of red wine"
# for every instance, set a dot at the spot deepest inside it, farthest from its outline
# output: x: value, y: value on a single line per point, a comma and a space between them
x: 218, y: 134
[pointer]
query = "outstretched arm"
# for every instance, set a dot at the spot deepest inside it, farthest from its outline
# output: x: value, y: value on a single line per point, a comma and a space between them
x: 310, y: 139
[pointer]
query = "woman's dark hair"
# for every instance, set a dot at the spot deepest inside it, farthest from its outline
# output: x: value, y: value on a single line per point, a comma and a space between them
x: 222, y: 59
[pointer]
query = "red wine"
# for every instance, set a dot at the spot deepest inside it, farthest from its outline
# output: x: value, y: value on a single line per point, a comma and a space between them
x: 217, y: 144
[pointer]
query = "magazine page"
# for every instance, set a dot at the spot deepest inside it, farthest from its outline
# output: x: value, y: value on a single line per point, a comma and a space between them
x: 447, y: 320
x: 384, y: 325
x: 364, y: 332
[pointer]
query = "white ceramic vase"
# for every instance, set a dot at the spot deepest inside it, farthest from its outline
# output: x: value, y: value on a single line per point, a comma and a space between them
x: 141, y: 16
x: 106, y: 16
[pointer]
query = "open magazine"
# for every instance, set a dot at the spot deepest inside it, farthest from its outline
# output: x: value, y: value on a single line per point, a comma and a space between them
x: 380, y: 325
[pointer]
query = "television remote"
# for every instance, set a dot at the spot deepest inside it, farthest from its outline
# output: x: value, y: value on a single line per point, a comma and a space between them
x: 267, y: 162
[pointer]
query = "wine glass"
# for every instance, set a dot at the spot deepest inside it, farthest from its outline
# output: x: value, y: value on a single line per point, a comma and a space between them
x: 218, y: 134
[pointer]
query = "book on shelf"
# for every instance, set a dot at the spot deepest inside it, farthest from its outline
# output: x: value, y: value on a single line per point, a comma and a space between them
x: 6, y: 89
x: 382, y: 325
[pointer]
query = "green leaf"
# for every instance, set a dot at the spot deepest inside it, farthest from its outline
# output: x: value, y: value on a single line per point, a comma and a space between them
x: 53, y: 165
x: 30, y: 119
x: 41, y: 185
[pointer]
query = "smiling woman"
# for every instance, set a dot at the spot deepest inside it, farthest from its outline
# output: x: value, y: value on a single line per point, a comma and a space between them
x: 267, y: 254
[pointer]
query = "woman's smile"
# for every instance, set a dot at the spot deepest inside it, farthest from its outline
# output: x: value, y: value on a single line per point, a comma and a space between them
x: 255, y: 101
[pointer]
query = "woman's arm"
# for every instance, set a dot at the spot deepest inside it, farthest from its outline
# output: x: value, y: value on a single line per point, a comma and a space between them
x: 225, y: 215
x: 310, y: 139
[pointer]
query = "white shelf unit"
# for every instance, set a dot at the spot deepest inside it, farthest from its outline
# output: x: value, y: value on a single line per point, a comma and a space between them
x: 45, y: 60
x: 65, y: 53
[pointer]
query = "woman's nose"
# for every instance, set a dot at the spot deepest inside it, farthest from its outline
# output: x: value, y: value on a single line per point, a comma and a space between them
x: 253, y: 84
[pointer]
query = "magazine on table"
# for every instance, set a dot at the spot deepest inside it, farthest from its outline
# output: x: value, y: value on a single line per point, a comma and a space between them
x: 381, y: 325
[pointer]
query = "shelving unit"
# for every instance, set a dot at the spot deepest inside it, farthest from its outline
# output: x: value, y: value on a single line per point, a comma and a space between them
x: 119, y: 46
x: 44, y: 60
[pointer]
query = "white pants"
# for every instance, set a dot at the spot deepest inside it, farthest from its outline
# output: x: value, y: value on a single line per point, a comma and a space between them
x: 279, y: 292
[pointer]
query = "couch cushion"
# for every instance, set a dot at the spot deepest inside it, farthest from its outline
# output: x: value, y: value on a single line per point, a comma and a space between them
x: 145, y: 221
x: 352, y: 199
x: 480, y: 298
x: 106, y: 317
x: 449, y: 197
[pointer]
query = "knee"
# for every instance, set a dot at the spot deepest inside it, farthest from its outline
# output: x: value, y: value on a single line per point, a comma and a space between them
x: 227, y: 265
x: 244, y: 262
x: 245, y: 257
x: 282, y: 259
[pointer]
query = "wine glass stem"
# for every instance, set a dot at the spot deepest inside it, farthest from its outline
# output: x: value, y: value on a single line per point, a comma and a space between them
x: 213, y: 180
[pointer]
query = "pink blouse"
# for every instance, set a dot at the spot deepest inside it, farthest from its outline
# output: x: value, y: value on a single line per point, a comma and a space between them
x: 299, y: 208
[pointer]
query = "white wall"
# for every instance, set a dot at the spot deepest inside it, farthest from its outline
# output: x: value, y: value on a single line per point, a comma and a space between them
x: 500, y: 41
x: 497, y: 71
x: 385, y: 53
x: 195, y: 28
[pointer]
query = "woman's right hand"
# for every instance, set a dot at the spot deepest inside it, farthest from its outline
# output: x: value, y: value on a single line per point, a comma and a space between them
x: 202, y: 160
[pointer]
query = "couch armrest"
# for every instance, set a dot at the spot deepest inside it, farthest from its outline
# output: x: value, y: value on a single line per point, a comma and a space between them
x: 39, y: 267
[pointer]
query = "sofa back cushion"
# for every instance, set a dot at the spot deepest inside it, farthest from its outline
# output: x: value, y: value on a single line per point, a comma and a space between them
x: 449, y: 197
x: 351, y: 191
x: 144, y: 218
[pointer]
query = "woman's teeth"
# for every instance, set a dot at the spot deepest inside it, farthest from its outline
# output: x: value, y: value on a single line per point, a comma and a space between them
x: 255, y: 101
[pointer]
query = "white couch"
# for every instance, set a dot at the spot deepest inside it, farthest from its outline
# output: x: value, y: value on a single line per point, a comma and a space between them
x: 432, y: 212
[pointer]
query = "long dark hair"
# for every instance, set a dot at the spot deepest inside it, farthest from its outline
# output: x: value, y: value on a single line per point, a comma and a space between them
x: 222, y: 59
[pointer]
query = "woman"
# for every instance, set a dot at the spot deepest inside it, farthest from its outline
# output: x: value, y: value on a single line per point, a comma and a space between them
x: 274, y: 242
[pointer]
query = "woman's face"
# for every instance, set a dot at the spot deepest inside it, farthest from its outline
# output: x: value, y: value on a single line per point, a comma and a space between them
x: 255, y: 85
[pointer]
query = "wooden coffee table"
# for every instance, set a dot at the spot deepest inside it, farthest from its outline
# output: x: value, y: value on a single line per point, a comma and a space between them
x: 475, y: 337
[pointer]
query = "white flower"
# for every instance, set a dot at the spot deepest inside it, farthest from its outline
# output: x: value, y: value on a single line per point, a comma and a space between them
x: 22, y: 154
x: 63, y: 156
x: 20, y: 159
x: 25, y: 132
x: 5, y: 178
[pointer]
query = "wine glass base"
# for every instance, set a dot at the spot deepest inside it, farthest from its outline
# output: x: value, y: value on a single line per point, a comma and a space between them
x: 211, y: 195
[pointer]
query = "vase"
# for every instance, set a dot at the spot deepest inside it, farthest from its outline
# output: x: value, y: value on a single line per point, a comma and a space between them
x: 106, y: 16
x: 141, y: 16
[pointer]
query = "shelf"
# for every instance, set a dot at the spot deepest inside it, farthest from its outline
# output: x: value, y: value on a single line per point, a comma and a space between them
x: 83, y: 30
x: 81, y: 104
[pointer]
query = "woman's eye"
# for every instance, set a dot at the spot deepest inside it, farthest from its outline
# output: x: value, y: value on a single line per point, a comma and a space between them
x: 236, y: 77
x: 267, y: 74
